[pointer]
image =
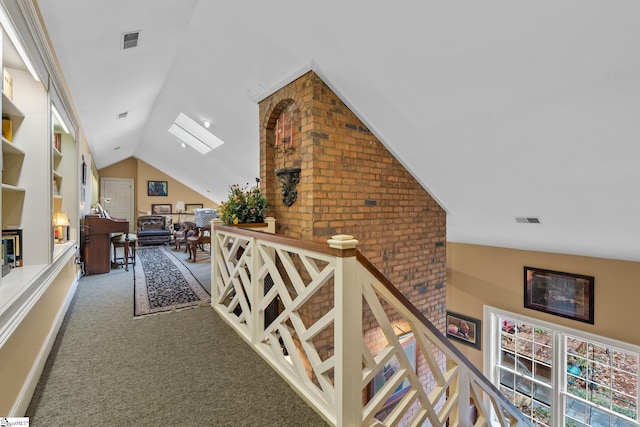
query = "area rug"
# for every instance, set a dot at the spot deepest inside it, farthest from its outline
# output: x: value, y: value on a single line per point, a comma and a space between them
x: 162, y: 283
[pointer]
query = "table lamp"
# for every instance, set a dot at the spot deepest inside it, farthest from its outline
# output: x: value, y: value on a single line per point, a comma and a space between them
x: 60, y: 222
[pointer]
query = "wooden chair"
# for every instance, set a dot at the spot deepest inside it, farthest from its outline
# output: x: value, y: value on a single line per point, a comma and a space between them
x: 180, y: 236
x: 198, y: 240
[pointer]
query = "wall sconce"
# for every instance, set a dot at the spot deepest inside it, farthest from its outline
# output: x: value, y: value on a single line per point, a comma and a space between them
x: 288, y: 177
x: 284, y: 138
x: 60, y: 222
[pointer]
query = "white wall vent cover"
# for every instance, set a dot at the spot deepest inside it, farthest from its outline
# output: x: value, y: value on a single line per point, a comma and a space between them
x: 528, y: 220
x: 130, y: 40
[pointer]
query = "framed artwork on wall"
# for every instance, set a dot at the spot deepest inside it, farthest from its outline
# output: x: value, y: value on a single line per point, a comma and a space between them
x: 463, y: 329
x: 562, y: 294
x: 410, y: 347
x: 157, y: 188
x: 189, y: 207
x: 161, y: 209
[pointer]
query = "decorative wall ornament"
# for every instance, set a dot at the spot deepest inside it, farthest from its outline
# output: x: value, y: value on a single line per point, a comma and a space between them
x: 289, y: 178
x: 283, y: 141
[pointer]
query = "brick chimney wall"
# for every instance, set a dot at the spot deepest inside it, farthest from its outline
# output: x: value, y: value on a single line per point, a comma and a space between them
x: 351, y: 184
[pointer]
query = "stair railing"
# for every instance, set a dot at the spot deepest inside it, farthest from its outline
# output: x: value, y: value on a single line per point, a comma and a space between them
x: 308, y: 310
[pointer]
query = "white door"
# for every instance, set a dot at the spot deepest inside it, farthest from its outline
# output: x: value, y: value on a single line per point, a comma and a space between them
x: 116, y: 197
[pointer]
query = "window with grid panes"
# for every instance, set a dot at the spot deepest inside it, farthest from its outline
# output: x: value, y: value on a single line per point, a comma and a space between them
x: 524, y: 368
x: 596, y: 383
x: 601, y: 385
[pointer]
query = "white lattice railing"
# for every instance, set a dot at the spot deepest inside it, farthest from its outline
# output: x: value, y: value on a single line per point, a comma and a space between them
x: 327, y: 321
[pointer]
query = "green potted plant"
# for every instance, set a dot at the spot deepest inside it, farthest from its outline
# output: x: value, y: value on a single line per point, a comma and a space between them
x: 244, y: 206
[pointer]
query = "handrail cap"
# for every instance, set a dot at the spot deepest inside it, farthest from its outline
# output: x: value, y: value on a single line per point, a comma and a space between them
x: 342, y: 241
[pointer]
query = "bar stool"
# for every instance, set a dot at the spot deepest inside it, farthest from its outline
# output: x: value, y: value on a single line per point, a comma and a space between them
x: 129, y: 249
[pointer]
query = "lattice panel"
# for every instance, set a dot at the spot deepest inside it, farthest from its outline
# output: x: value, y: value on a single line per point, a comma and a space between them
x: 436, y: 399
x: 300, y: 338
x: 232, y: 280
x: 291, y: 322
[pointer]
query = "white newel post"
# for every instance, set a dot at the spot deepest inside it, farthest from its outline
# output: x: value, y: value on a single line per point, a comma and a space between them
x: 215, y: 254
x: 348, y: 335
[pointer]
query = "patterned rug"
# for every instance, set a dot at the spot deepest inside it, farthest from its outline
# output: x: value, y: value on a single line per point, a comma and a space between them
x: 162, y: 283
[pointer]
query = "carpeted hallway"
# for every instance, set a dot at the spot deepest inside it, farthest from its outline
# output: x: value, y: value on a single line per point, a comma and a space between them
x: 178, y: 368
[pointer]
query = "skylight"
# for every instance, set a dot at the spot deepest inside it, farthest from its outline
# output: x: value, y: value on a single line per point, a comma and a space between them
x: 193, y: 134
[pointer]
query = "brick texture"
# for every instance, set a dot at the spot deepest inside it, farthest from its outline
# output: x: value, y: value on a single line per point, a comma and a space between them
x: 351, y: 184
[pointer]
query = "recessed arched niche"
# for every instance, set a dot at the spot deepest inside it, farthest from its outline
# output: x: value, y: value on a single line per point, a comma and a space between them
x: 284, y: 146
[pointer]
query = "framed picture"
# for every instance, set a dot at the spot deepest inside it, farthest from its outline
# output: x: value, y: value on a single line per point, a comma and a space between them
x: 157, y: 188
x: 463, y: 329
x: 189, y: 207
x: 84, y: 172
x: 562, y: 294
x: 162, y: 209
x: 12, y: 247
x: 408, y: 342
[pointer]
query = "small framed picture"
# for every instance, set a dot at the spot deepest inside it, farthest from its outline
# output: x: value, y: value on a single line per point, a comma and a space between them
x: 161, y: 209
x: 157, y: 188
x: 463, y: 329
x: 189, y: 207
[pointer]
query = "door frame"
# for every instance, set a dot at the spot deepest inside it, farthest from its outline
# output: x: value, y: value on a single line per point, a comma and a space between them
x: 104, y: 179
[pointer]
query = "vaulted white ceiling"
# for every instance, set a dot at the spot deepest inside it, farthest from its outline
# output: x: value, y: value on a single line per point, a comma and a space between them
x: 500, y: 108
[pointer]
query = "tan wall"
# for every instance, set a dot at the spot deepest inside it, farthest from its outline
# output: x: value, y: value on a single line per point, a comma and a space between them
x: 479, y: 275
x: 19, y: 353
x: 141, y: 172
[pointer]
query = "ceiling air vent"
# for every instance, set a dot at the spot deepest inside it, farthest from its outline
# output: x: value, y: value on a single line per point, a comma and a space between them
x: 123, y: 115
x: 130, y: 40
x: 528, y: 220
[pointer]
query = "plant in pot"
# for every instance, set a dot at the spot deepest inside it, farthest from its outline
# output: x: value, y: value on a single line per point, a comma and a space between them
x: 244, y: 206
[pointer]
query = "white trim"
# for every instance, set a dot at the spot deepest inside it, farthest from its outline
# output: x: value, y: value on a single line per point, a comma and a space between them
x: 488, y: 310
x: 21, y: 307
x: 560, y: 332
x: 21, y: 404
x: 294, y: 75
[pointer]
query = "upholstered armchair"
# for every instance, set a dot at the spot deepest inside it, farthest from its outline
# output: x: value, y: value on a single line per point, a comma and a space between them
x: 186, y: 230
x: 152, y: 230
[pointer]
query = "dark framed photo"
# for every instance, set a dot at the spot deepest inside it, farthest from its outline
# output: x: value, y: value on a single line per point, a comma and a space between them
x: 410, y: 347
x: 161, y: 209
x: 463, y: 329
x: 562, y: 294
x: 157, y: 188
x: 189, y: 207
x: 84, y: 172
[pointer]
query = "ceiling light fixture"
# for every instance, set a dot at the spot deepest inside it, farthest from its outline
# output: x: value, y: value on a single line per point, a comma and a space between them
x: 58, y: 117
x: 190, y: 132
x: 183, y: 144
x: 7, y: 24
x: 207, y: 124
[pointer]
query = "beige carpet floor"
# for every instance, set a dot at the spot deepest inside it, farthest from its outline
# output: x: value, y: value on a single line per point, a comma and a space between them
x: 185, y: 368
